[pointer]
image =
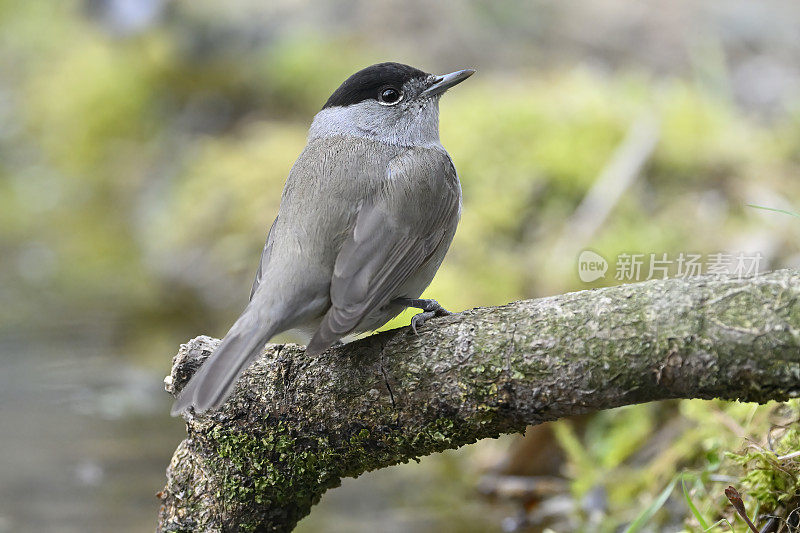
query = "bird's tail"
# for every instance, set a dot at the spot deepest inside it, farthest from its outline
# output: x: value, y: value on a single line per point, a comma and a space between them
x: 213, y: 382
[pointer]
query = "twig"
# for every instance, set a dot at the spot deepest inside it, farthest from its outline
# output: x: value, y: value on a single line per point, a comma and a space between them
x: 736, y: 500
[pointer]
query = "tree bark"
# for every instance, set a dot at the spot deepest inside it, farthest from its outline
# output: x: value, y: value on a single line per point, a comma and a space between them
x: 295, y: 426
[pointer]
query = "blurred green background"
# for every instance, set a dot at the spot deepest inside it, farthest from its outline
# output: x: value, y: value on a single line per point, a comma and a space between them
x: 143, y: 147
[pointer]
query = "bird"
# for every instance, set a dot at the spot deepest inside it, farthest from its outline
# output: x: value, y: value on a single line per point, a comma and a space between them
x: 367, y: 214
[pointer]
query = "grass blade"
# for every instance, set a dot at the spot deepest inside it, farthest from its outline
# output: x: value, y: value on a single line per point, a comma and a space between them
x: 784, y: 211
x: 719, y: 523
x: 693, y: 507
x: 647, y: 515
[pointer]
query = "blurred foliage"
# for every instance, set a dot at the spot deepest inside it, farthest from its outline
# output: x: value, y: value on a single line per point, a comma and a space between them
x: 632, y: 453
x: 139, y: 173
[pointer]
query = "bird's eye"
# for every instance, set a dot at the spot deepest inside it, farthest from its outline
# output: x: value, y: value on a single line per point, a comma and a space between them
x: 389, y: 96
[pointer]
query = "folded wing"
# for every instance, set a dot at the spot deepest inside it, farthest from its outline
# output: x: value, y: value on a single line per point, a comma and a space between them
x: 396, y: 232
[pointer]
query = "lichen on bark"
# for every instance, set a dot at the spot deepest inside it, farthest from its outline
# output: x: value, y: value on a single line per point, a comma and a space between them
x: 295, y: 426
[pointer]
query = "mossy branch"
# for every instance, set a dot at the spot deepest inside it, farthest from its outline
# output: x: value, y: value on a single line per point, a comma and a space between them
x: 295, y: 426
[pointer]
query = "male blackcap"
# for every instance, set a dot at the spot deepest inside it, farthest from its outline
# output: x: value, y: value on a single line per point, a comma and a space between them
x: 367, y: 214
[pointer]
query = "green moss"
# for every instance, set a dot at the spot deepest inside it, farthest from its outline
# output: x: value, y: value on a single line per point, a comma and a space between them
x: 271, y: 468
x: 277, y: 471
x: 771, y: 482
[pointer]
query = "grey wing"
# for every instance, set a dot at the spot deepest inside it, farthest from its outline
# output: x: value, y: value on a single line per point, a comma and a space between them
x: 395, y: 233
x: 264, y: 259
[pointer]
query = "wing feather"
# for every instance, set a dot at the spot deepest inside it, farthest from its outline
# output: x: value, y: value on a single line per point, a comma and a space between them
x: 395, y: 233
x: 264, y: 259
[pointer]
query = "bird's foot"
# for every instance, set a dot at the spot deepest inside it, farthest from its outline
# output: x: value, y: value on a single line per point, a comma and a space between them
x: 430, y: 309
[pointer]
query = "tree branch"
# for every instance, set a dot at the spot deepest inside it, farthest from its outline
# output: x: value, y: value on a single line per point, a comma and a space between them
x: 295, y: 426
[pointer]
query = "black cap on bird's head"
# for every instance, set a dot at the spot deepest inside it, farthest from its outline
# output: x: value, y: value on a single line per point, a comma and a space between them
x: 387, y: 82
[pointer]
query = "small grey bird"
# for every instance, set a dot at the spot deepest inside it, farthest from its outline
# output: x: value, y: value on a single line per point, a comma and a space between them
x: 366, y: 217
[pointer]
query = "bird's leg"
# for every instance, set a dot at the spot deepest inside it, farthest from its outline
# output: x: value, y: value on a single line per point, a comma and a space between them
x: 430, y: 309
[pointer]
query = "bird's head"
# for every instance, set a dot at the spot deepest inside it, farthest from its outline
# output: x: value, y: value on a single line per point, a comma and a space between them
x: 389, y: 102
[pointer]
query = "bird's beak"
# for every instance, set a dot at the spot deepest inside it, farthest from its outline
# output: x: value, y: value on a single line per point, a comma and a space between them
x: 442, y: 83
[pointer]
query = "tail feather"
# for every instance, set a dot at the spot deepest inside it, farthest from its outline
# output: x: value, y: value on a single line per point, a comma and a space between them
x: 319, y: 344
x: 213, y: 382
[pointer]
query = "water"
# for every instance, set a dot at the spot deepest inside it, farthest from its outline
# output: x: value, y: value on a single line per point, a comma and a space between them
x: 84, y: 439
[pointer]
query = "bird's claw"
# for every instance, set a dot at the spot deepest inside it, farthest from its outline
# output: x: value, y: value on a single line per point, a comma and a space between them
x: 430, y: 309
x: 419, y: 319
